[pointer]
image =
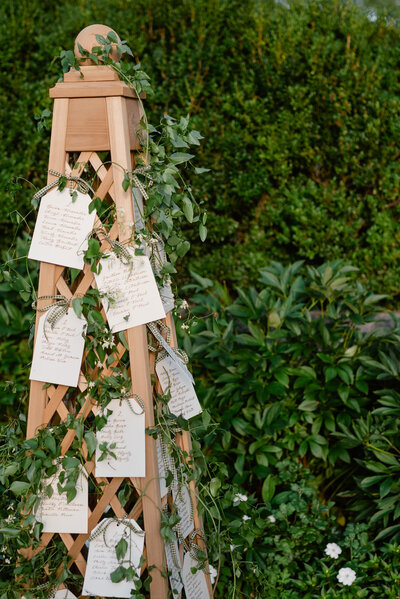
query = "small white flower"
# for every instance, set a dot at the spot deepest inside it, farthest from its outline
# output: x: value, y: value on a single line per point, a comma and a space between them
x: 213, y: 573
x: 272, y: 518
x: 7, y: 560
x: 184, y: 326
x: 184, y: 305
x: 3, y: 549
x: 91, y: 384
x: 245, y: 518
x: 238, y: 498
x: 10, y: 518
x: 333, y: 550
x: 99, y: 364
x: 346, y: 576
x: 11, y: 507
x: 124, y: 391
x: 106, y: 344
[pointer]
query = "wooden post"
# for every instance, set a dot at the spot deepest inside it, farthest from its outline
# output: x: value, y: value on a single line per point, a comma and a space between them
x: 92, y: 114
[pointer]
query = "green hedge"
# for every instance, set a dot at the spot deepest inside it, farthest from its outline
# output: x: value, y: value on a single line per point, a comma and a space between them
x: 299, y: 108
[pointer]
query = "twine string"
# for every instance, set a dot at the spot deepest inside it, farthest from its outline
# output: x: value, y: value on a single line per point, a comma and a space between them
x: 82, y: 185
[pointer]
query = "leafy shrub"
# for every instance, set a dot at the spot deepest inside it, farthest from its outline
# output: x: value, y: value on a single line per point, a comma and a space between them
x: 299, y: 108
x: 289, y: 370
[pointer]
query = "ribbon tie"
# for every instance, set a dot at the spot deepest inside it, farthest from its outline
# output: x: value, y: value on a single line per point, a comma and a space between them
x: 142, y: 170
x: 83, y: 186
x: 160, y: 348
x: 55, y: 311
x: 119, y: 249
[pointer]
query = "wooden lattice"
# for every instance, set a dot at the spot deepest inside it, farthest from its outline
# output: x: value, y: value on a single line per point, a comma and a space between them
x: 95, y: 121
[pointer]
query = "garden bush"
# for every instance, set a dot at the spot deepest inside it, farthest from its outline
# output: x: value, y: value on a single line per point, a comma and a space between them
x: 306, y: 367
x: 299, y: 108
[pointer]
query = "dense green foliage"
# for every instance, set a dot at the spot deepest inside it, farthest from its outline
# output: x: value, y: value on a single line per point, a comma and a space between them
x: 289, y: 370
x: 299, y: 108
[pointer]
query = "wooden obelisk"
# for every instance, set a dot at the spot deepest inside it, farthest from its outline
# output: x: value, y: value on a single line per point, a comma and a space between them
x: 96, y: 120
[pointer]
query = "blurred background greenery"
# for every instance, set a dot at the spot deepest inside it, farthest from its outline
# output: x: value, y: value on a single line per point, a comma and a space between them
x: 299, y: 108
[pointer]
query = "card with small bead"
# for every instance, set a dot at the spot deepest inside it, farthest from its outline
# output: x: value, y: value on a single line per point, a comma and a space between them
x: 59, y: 515
x: 173, y: 379
x: 195, y: 584
x: 62, y: 228
x: 129, y: 291
x: 102, y: 558
x: 120, y: 447
x: 58, y: 351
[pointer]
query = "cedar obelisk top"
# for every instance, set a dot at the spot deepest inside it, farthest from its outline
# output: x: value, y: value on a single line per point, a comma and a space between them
x: 87, y: 39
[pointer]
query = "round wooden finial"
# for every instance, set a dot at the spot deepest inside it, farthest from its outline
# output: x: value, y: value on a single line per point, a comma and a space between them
x: 87, y: 39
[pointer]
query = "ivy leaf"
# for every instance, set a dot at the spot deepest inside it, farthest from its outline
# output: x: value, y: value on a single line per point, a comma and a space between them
x: 51, y: 445
x: 19, y: 487
x: 121, y: 548
x: 188, y: 209
x: 268, y: 489
x: 202, y: 232
x: 77, y: 306
x: 179, y: 157
x: 91, y: 442
x: 118, y: 574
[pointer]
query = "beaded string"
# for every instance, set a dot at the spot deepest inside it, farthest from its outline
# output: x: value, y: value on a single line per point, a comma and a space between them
x: 142, y: 170
x: 83, y: 186
x: 139, y: 400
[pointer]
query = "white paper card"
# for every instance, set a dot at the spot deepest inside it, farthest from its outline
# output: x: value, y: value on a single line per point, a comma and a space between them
x: 170, y: 351
x: 183, y: 505
x: 183, y: 396
x: 162, y: 467
x: 64, y: 594
x: 133, y: 289
x: 127, y: 430
x: 62, y: 229
x: 174, y: 565
x: 102, y: 559
x: 57, y: 355
x: 195, y: 584
x: 59, y: 516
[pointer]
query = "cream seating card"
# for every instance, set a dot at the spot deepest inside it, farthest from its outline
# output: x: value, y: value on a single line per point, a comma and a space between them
x: 127, y: 430
x: 174, y: 566
x: 58, y: 515
x: 130, y: 293
x: 183, y: 396
x: 102, y: 559
x: 183, y: 506
x: 195, y: 584
x: 58, y: 351
x: 62, y: 229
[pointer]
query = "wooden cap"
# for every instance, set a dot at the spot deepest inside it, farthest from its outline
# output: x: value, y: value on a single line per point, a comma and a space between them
x: 87, y: 39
